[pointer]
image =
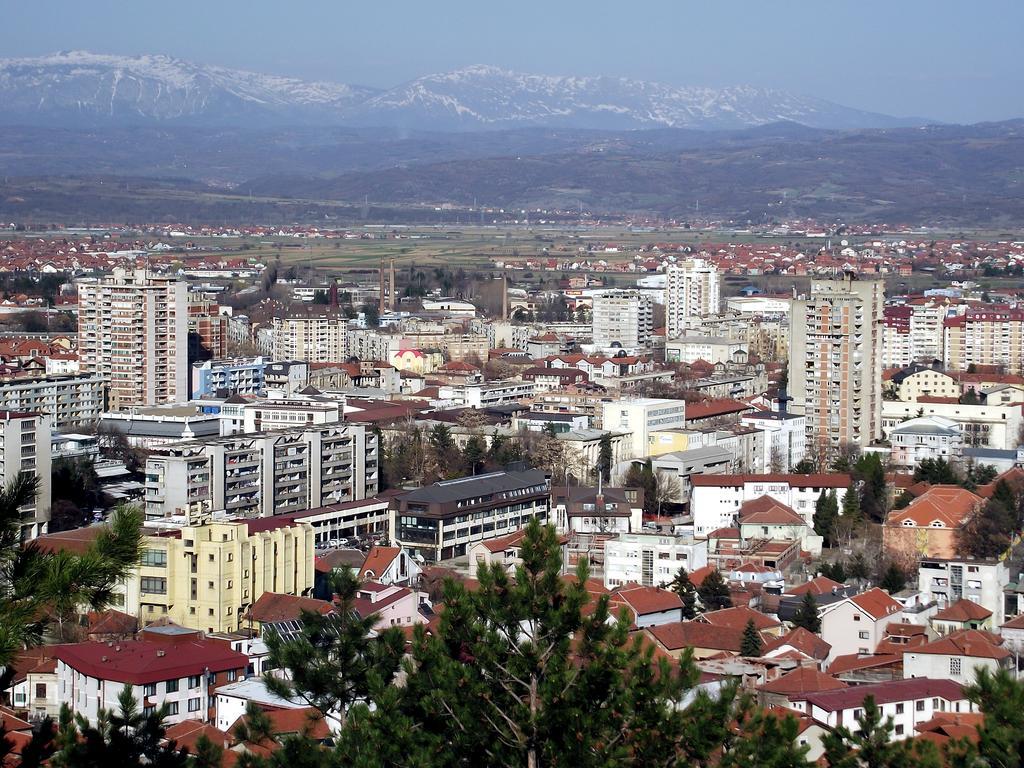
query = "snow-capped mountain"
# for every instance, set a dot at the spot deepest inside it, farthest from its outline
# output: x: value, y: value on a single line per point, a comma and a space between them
x: 154, y: 88
x: 101, y: 88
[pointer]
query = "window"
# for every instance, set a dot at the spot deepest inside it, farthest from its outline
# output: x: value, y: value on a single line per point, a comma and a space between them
x: 211, y: 558
x: 857, y: 713
x: 172, y: 686
x: 899, y: 730
x: 856, y: 617
x: 899, y: 708
x: 232, y: 675
x: 194, y: 704
x: 149, y: 689
x: 862, y: 635
x: 153, y: 586
x: 193, y: 681
x: 919, y: 705
x: 40, y: 690
x: 172, y: 708
x: 955, y: 665
x: 154, y: 558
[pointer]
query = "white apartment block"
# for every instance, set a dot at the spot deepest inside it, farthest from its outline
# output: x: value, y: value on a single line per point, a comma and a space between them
x: 785, y: 438
x: 70, y: 401
x: 715, y: 500
x: 650, y: 559
x: 314, y: 339
x: 133, y: 331
x: 372, y: 344
x: 276, y: 413
x: 980, y: 581
x: 264, y: 474
x: 982, y: 426
x: 640, y: 416
x: 835, y: 365
x: 691, y: 288
x: 711, y: 349
x: 486, y: 394
x: 25, y: 449
x: 929, y: 437
x: 623, y: 319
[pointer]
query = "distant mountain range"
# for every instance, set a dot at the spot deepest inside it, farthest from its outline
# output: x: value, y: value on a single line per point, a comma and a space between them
x: 100, y: 90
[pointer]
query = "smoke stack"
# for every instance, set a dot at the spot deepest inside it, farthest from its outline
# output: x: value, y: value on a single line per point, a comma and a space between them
x: 380, y: 304
x: 391, y: 285
x: 504, y: 297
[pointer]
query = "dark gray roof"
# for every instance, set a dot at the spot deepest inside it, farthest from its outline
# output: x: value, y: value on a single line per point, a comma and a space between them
x: 479, y: 485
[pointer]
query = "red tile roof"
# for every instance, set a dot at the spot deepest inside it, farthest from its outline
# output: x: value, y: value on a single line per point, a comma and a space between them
x: 696, y: 634
x: 802, y: 640
x: 967, y: 642
x: 644, y: 600
x: 377, y: 561
x: 854, y: 661
x: 885, y: 693
x: 148, y: 661
x: 949, y: 505
x: 765, y: 510
x: 876, y: 603
x: 962, y: 611
x: 802, y: 680
x: 737, y: 618
x: 836, y: 480
x: 273, y: 607
x: 708, y: 409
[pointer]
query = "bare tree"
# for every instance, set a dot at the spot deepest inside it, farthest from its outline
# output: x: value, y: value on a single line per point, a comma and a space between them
x: 668, y: 489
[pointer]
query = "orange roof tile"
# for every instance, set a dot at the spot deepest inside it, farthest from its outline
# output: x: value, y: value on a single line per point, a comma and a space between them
x: 963, y: 610
x: 949, y: 505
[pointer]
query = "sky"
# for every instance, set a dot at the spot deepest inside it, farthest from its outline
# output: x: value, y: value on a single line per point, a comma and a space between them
x: 955, y: 61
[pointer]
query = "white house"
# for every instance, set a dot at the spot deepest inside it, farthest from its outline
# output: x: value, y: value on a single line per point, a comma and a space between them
x: 908, y: 702
x: 856, y: 625
x: 392, y: 605
x: 927, y: 437
x: 981, y: 581
x: 715, y: 500
x: 957, y: 656
x: 650, y: 559
x: 170, y: 666
x: 390, y: 565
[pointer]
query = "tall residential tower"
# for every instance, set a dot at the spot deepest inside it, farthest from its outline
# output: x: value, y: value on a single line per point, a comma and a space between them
x: 835, y: 364
x: 691, y: 289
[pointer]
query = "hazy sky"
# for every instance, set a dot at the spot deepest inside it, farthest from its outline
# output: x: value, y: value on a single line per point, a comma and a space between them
x: 953, y: 60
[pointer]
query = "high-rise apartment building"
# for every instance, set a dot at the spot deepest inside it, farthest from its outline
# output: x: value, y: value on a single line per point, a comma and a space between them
x: 623, y: 318
x: 985, y: 336
x: 313, y: 338
x: 691, y: 289
x: 133, y: 330
x: 71, y: 401
x: 913, y: 332
x: 25, y: 450
x: 264, y: 473
x: 835, y: 363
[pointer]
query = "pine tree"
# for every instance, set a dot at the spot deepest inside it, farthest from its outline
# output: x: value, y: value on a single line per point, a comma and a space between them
x: 806, y: 615
x: 851, y: 505
x: 334, y: 661
x: 751, y: 643
x: 683, y: 587
x: 604, y: 457
x: 893, y: 579
x: 714, y: 592
x: 826, y: 512
x: 872, y: 745
x: 473, y: 455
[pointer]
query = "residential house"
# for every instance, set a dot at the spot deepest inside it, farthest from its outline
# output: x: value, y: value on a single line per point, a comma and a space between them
x: 392, y: 605
x: 928, y: 526
x: 856, y: 624
x: 390, y: 565
x: 648, y: 606
x: 505, y: 551
x: 963, y: 614
x: 958, y: 656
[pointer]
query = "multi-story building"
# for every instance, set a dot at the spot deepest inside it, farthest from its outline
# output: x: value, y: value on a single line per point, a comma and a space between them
x: 640, y: 416
x: 785, y: 438
x: 25, y: 449
x: 312, y: 338
x: 985, y: 336
x: 623, y: 319
x: 691, y: 288
x: 711, y: 349
x: 913, y: 332
x: 207, y: 574
x: 133, y: 331
x: 373, y: 344
x: 928, y: 437
x: 716, y: 499
x: 207, y: 327
x: 275, y: 413
x: 288, y: 376
x: 835, y: 367
x: 444, y: 520
x: 981, y: 581
x: 650, y: 559
x: 239, y: 376
x: 982, y: 426
x: 71, y: 401
x: 487, y: 394
x: 170, y: 667
x: 266, y: 473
